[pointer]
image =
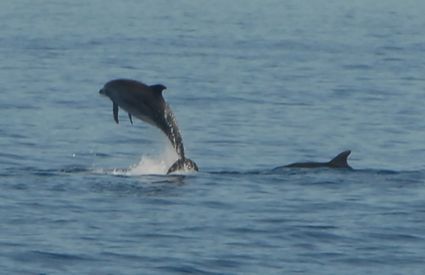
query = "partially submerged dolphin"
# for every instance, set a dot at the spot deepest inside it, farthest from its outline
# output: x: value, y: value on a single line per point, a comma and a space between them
x: 146, y: 103
x: 340, y: 161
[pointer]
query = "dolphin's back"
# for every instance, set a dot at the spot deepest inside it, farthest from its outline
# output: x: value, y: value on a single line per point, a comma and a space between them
x: 129, y: 92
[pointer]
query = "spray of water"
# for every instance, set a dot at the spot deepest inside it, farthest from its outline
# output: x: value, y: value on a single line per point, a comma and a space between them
x: 148, y: 164
x: 154, y: 165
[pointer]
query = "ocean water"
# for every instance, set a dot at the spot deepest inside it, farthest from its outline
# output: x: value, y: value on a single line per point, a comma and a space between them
x: 254, y: 85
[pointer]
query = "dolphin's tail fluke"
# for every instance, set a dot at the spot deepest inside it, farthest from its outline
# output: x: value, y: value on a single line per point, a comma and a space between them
x: 340, y: 161
x: 183, y: 164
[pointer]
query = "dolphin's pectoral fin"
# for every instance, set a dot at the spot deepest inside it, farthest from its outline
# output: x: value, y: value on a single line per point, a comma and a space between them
x: 183, y: 165
x: 129, y: 116
x: 340, y: 161
x: 115, y: 111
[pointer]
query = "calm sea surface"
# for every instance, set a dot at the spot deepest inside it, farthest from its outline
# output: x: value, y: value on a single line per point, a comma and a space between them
x: 254, y: 85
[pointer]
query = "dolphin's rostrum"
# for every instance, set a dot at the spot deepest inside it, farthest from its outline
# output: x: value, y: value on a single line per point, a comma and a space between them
x: 147, y: 103
x: 340, y: 161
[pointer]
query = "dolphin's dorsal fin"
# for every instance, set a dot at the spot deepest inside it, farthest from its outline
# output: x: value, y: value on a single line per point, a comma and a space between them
x: 115, y: 111
x: 158, y: 88
x: 129, y: 116
x: 340, y: 161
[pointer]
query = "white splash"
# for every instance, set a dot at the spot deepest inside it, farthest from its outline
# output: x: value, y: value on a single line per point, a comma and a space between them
x: 154, y: 165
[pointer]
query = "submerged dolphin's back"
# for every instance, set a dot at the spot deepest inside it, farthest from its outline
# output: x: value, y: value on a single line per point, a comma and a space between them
x: 340, y: 161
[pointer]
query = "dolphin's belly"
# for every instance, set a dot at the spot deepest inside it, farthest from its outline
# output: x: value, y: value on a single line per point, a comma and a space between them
x: 140, y: 111
x: 144, y: 117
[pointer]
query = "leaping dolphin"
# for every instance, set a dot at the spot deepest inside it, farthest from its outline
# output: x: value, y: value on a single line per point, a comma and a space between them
x: 146, y: 103
x: 340, y: 161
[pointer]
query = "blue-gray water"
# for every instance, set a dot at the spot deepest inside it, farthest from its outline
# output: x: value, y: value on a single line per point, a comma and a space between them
x: 254, y: 85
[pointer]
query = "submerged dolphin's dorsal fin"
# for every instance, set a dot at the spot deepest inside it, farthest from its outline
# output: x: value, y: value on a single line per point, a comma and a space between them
x: 158, y: 88
x: 129, y: 116
x: 115, y: 111
x: 340, y: 161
